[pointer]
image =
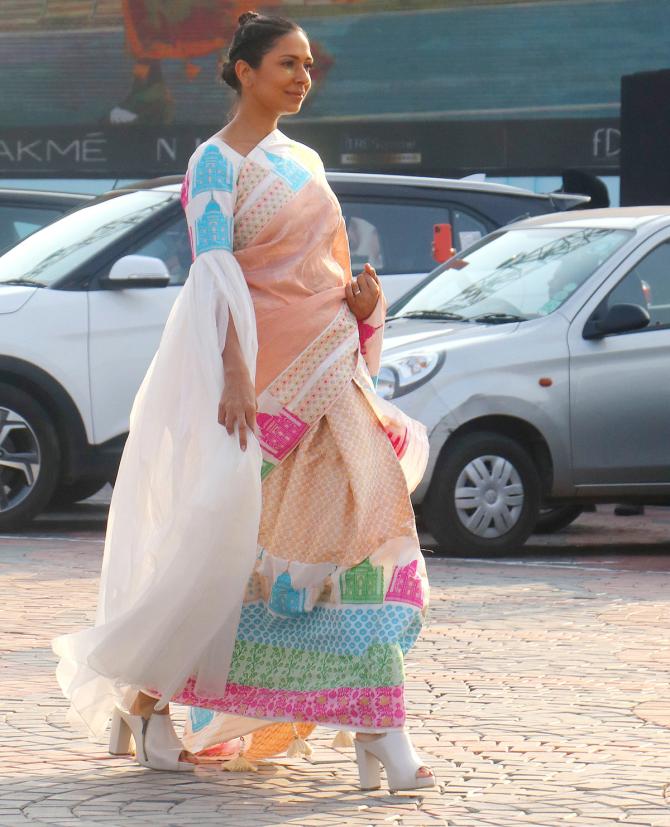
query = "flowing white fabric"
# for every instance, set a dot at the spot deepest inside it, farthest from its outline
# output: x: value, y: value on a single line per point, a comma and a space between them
x: 183, y: 523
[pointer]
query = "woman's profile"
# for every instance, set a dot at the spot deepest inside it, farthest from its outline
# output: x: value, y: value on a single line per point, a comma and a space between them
x: 261, y: 561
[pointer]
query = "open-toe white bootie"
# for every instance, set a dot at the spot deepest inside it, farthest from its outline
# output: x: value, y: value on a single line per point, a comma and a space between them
x: 156, y: 743
x: 393, y: 750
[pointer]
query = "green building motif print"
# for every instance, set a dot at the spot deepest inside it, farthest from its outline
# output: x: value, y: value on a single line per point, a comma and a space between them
x: 363, y: 583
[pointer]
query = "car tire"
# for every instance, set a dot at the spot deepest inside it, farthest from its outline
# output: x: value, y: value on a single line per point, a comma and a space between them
x: 555, y: 519
x: 71, y: 493
x: 28, y: 441
x: 502, y: 506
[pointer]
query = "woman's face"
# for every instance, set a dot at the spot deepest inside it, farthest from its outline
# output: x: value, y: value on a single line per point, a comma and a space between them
x: 282, y: 81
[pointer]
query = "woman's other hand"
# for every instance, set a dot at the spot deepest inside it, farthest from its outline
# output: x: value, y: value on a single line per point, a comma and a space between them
x: 362, y: 293
x: 238, y: 404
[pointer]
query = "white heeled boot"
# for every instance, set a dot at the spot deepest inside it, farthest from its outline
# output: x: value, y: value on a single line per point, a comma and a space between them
x: 156, y: 743
x: 400, y: 760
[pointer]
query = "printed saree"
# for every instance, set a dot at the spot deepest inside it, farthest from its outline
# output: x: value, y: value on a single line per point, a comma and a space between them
x: 296, y: 598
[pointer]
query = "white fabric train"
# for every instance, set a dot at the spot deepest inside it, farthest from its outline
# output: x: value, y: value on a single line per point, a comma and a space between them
x: 183, y: 523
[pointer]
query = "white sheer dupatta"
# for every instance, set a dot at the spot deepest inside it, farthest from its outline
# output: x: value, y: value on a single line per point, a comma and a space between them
x: 183, y: 524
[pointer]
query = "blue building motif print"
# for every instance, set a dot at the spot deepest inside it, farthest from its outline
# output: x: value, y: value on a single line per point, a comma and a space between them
x: 295, y: 175
x: 213, y: 230
x: 284, y: 599
x: 212, y: 172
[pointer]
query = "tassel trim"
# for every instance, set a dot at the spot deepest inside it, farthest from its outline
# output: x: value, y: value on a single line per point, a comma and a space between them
x: 298, y: 746
x: 239, y: 764
x: 343, y: 740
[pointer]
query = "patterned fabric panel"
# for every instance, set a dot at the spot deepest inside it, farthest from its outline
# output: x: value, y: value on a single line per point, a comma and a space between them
x: 358, y: 708
x: 208, y: 200
x: 288, y: 383
x: 346, y: 461
x: 261, y: 212
x: 293, y: 173
x: 213, y: 230
x: 328, y: 388
x: 339, y: 631
x: 273, y: 667
x: 250, y: 176
x: 212, y: 172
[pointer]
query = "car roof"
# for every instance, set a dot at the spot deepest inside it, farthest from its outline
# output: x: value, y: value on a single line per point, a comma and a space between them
x: 622, y: 218
x: 172, y: 183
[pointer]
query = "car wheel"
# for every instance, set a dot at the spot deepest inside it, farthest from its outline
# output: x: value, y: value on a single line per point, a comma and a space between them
x: 69, y: 494
x: 485, y: 496
x: 29, y: 458
x: 554, y: 519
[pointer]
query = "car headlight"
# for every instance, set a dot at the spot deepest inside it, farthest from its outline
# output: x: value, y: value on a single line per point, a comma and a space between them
x: 402, y: 374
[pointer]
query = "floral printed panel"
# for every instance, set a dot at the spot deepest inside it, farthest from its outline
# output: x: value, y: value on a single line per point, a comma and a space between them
x: 257, y: 664
x: 380, y: 708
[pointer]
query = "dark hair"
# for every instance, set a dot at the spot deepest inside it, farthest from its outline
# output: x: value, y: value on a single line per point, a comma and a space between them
x: 255, y: 35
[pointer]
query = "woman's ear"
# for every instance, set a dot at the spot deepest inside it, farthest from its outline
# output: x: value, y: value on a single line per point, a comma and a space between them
x: 244, y: 73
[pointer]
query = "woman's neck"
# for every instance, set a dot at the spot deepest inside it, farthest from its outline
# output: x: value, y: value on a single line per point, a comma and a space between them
x: 249, y: 126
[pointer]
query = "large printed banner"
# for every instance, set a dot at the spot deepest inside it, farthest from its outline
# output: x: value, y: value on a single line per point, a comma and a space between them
x: 128, y: 87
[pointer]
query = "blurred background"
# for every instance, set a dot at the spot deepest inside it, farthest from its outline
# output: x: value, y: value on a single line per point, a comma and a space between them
x: 100, y: 92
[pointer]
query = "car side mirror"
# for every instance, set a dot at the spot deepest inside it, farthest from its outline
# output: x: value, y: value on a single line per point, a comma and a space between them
x: 620, y: 318
x: 137, y: 271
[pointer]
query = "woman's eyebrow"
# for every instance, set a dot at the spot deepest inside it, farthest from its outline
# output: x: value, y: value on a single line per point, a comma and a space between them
x: 297, y: 57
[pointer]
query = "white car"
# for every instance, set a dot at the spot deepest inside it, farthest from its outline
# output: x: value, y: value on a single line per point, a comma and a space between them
x: 539, y: 360
x: 81, y: 315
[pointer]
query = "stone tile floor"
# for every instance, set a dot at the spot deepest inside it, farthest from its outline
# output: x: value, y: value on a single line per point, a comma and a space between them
x: 539, y: 692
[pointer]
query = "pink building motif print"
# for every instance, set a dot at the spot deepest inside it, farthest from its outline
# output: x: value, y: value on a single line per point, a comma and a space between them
x: 366, y: 331
x: 280, y: 433
x: 406, y: 586
x: 397, y: 433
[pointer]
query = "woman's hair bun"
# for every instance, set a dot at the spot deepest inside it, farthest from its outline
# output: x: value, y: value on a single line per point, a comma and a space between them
x: 247, y: 17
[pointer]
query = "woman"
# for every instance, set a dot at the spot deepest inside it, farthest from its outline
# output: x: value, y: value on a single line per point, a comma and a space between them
x: 300, y: 611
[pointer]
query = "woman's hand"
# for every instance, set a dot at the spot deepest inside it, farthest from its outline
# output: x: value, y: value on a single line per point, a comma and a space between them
x: 362, y: 293
x: 238, y: 404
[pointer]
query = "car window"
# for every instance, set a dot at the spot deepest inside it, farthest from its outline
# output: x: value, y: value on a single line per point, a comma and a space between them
x: 171, y: 245
x: 521, y: 272
x: 394, y: 238
x: 648, y: 285
x: 466, y: 229
x: 54, y: 251
x: 17, y: 222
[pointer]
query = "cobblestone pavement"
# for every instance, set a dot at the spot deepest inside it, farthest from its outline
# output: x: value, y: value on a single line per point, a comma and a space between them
x: 538, y: 693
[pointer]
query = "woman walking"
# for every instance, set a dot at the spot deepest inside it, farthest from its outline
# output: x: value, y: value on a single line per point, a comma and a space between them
x: 261, y: 560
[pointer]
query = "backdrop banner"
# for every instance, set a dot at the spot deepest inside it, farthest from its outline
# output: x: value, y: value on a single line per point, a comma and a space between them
x: 540, y: 147
x: 127, y: 88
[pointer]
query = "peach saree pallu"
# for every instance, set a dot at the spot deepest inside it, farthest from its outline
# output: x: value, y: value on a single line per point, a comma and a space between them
x: 302, y: 609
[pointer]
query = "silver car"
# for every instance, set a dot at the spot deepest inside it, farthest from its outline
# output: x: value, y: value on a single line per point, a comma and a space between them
x: 539, y: 360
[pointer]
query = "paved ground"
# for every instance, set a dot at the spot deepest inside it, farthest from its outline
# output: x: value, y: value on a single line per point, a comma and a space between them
x: 539, y: 693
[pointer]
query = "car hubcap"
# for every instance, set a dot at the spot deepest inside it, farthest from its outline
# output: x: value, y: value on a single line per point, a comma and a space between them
x: 489, y: 496
x: 19, y: 459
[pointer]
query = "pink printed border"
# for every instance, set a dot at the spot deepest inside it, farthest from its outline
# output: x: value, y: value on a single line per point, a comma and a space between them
x: 366, y: 708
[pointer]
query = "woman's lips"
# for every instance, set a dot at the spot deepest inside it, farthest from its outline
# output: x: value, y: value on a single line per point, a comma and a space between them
x: 296, y: 94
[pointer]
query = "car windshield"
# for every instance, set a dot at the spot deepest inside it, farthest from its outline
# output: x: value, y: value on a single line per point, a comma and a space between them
x: 515, y: 275
x: 57, y: 249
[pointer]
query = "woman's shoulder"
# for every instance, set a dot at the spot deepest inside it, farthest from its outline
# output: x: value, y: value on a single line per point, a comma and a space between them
x: 305, y: 155
x: 213, y: 149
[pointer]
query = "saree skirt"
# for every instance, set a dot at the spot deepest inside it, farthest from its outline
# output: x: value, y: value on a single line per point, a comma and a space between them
x: 339, y: 590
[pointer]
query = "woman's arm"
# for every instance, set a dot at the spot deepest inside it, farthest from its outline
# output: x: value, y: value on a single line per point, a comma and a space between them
x: 238, y: 400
